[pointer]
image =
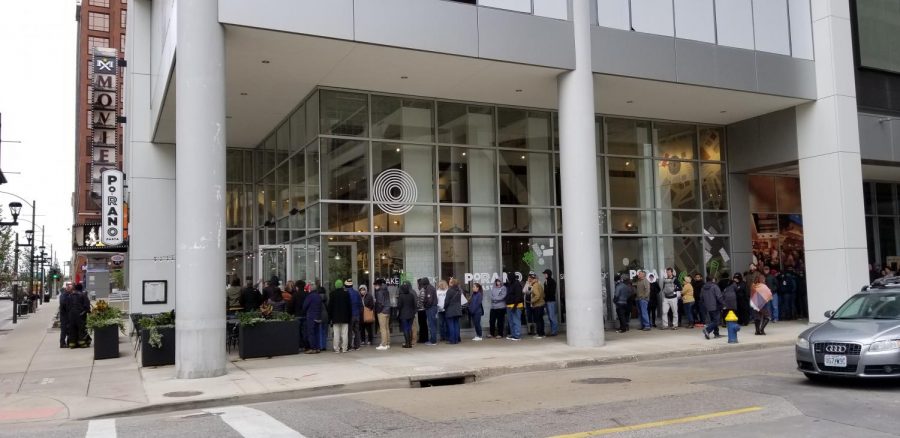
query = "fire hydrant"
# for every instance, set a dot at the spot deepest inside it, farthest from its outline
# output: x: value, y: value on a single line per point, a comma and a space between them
x: 731, y: 320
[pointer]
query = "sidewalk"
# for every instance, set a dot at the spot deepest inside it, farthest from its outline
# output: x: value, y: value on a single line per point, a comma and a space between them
x: 49, y: 383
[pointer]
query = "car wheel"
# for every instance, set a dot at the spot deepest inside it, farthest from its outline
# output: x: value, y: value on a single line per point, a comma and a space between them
x: 815, y: 377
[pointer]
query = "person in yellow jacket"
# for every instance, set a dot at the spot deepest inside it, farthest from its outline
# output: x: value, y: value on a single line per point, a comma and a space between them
x: 537, y: 304
x: 687, y: 297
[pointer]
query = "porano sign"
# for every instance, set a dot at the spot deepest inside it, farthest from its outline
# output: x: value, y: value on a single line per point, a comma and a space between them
x: 111, y: 203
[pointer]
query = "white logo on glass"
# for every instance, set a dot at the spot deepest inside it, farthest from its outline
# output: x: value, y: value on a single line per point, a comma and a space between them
x: 394, y: 191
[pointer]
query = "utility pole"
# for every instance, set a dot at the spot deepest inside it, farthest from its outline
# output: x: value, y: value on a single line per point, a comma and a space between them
x: 43, y: 257
x: 31, y: 266
x: 15, y: 304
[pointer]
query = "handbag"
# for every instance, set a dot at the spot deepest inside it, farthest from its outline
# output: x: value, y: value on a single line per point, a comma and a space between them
x: 368, y: 315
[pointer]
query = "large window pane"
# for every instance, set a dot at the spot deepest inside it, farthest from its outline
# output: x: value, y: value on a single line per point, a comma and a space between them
x: 396, y: 118
x: 346, y: 257
x: 887, y: 238
x: 418, y: 220
x: 867, y: 197
x: 711, y: 140
x: 298, y: 128
x: 787, y: 190
x: 525, y: 178
x: 467, y: 175
x: 234, y: 165
x: 346, y: 167
x: 344, y: 113
x: 234, y: 203
x: 526, y: 220
x: 454, y: 257
x: 716, y: 254
x: 528, y: 254
x: 312, y: 173
x: 762, y: 193
x: 348, y: 218
x: 523, y: 129
x: 631, y: 254
x: 631, y: 221
x: 712, y: 177
x: 682, y: 253
x: 677, y: 184
x: 715, y: 222
x: 312, y: 118
x: 627, y: 137
x: 679, y: 222
x: 675, y: 140
x: 400, y: 259
x: 461, y: 123
x: 884, y: 197
x: 417, y: 161
x: 298, y: 181
x: 630, y: 182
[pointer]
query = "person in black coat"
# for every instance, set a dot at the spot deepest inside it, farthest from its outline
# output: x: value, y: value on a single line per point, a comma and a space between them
x: 408, y: 308
x: 297, y: 299
x: 251, y: 298
x: 340, y: 310
x: 515, y: 302
x: 64, y: 315
x: 453, y: 310
x: 77, y: 307
x: 312, y: 309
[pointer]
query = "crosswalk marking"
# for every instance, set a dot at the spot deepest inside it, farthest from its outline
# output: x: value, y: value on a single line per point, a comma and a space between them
x: 252, y: 423
x: 101, y: 429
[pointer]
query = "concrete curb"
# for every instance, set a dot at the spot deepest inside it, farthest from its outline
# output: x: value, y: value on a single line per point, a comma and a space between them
x: 413, y: 380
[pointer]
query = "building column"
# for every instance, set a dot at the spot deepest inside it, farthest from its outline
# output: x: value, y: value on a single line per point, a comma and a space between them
x: 830, y: 168
x: 200, y: 191
x: 578, y: 176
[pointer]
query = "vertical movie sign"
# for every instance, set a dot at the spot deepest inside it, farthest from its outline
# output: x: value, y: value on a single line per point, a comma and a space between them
x: 112, y: 204
x: 104, y: 112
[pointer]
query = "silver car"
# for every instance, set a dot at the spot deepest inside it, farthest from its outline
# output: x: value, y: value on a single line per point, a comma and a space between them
x: 860, y: 339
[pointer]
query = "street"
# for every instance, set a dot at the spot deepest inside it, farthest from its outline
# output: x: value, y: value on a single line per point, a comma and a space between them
x: 745, y: 394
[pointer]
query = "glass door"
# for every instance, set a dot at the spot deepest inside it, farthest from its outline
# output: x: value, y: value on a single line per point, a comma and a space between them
x: 273, y: 262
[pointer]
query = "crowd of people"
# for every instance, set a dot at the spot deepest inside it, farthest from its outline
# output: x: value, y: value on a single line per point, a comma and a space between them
x: 74, y: 306
x: 424, y: 313
x: 692, y: 301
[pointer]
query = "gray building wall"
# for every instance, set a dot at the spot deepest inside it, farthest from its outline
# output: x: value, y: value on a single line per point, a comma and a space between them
x: 879, y: 138
x: 762, y: 142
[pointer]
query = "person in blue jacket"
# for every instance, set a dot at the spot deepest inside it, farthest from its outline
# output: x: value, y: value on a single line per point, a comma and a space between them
x: 312, y: 308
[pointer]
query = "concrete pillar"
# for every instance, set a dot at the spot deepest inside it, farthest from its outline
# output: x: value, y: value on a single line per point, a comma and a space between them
x: 200, y: 191
x: 580, y: 212
x: 830, y: 169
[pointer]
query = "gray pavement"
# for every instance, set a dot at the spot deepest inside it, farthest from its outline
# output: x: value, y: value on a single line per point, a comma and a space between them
x: 749, y: 394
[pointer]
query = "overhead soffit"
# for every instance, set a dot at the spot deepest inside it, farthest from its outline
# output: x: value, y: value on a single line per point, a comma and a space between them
x: 260, y: 95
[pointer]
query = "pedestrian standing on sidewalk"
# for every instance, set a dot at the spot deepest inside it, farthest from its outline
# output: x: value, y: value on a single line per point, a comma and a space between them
x: 515, y: 302
x: 550, y: 299
x: 655, y: 303
x: 670, y: 297
x: 497, y: 321
x: 700, y: 315
x: 642, y: 291
x: 383, y: 310
x: 251, y: 297
x: 326, y: 321
x: 453, y: 304
x: 312, y: 309
x: 340, y: 309
x: 713, y: 302
x: 441, y: 294
x: 355, y: 315
x: 476, y: 309
x: 760, y: 295
x: 772, y: 283
x: 64, y: 315
x: 742, y: 294
x: 273, y: 295
x: 537, y: 305
x: 421, y: 320
x: 429, y: 301
x: 297, y: 302
x: 368, y: 316
x: 406, y: 302
x: 622, y: 296
x: 78, y: 305
x: 687, y: 298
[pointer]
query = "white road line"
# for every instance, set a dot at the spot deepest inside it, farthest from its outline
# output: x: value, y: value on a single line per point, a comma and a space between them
x: 101, y: 429
x: 252, y: 423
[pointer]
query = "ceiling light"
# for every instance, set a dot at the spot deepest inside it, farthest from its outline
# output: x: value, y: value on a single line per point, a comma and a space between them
x: 518, y: 90
x: 398, y: 149
x: 243, y: 93
x: 265, y: 61
x: 404, y: 77
x: 722, y: 112
x: 629, y: 101
x: 464, y: 154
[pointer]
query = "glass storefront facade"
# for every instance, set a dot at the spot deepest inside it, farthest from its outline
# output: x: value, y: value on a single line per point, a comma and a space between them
x: 882, y: 204
x: 364, y: 185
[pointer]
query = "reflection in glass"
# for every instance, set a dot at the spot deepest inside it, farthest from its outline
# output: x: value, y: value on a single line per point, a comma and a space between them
x: 418, y: 220
x: 627, y: 137
x: 460, y: 123
x: 762, y: 193
x: 417, y: 161
x: 711, y: 143
x: 523, y: 254
x: 679, y: 222
x: 396, y: 118
x: 349, y: 218
x: 716, y: 254
x: 234, y: 240
x: 630, y: 182
x: 234, y: 165
x: 298, y: 181
x: 467, y: 175
x: 298, y: 128
x: 344, y: 113
x: 631, y: 221
x: 400, y: 259
x: 346, y: 168
x: 346, y: 257
x: 455, y: 257
x: 632, y: 254
x: 683, y: 253
x: 787, y: 190
x: 713, y: 183
x: 234, y: 206
x: 312, y: 173
x: 526, y: 220
x: 524, y: 129
x: 525, y: 178
x: 675, y: 140
x: 715, y: 222
x: 312, y: 118
x: 676, y: 185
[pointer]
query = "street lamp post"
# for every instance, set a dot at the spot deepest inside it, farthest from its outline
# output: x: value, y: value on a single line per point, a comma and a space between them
x: 29, y: 236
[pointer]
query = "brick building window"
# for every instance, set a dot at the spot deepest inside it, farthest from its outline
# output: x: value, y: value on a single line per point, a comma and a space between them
x: 97, y: 42
x: 100, y: 3
x: 98, y: 21
x: 122, y: 43
x: 124, y: 18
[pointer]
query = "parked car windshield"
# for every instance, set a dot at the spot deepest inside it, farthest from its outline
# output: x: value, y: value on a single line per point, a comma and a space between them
x: 871, y: 305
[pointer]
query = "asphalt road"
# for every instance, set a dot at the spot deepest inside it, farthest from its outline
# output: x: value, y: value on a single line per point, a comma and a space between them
x: 748, y: 394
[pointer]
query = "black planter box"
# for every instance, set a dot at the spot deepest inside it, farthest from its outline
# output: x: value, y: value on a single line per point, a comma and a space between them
x: 154, y: 357
x: 267, y: 339
x: 106, y: 342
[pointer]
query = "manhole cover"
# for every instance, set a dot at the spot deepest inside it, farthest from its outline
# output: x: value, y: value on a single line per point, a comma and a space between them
x: 601, y: 380
x: 182, y: 394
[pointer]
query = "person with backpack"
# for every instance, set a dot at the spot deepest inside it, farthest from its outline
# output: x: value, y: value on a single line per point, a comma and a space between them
x: 497, y: 321
x: 713, y: 302
x: 515, y: 302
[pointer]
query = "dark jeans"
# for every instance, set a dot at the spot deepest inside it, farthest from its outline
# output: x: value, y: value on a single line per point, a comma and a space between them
x: 76, y: 332
x: 787, y: 306
x: 368, y: 331
x: 406, y: 327
x: 475, y: 318
x: 453, y: 329
x: 431, y: 315
x: 423, y: 327
x: 497, y: 322
x: 442, y: 318
x: 312, y: 335
x: 689, y: 313
x: 63, y: 331
x: 712, y: 323
x: 537, y: 315
x: 303, y: 341
x: 653, y: 309
x: 622, y: 311
x: 354, y: 334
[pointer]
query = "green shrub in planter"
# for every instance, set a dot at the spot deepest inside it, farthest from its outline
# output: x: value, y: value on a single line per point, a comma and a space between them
x: 158, y: 339
x: 265, y: 334
x: 105, y: 323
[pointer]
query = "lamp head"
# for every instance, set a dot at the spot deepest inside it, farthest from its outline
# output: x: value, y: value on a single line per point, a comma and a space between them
x: 29, y: 235
x: 42, y: 248
x: 15, y: 208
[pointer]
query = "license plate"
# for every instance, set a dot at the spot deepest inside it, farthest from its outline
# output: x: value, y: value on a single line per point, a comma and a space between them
x: 835, y: 361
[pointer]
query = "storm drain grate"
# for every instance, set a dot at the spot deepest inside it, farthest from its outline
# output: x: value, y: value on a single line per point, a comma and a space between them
x: 442, y: 381
x: 601, y: 380
x: 182, y: 394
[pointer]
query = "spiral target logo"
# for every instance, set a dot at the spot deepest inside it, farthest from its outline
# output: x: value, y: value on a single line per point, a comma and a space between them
x: 394, y: 191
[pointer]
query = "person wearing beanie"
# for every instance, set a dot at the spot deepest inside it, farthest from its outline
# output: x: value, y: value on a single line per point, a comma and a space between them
x: 383, y: 313
x: 356, y: 305
x: 340, y: 310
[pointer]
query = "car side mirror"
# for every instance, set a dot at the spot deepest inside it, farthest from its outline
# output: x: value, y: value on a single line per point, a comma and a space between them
x: 829, y: 314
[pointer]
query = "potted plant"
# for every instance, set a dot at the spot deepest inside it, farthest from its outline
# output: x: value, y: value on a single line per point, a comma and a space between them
x: 157, y: 339
x: 105, y: 322
x: 265, y: 333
